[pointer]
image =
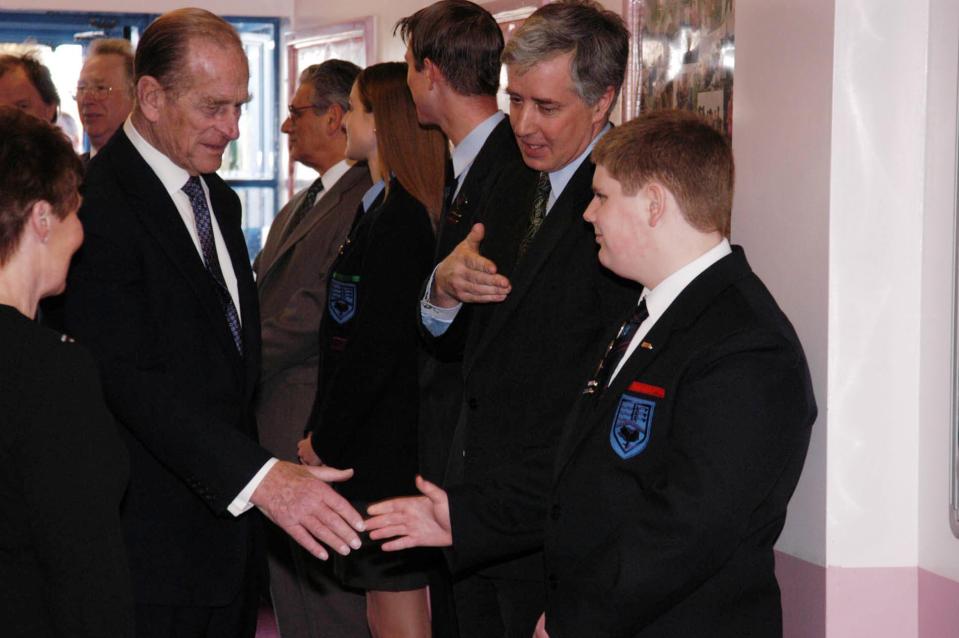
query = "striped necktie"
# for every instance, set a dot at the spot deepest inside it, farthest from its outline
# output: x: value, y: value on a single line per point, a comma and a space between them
x: 204, y: 229
x: 617, y: 348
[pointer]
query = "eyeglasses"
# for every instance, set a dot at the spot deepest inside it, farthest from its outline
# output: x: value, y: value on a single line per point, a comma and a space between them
x: 297, y: 111
x: 98, y: 92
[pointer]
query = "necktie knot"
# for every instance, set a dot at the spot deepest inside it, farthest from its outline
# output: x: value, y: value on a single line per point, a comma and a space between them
x: 193, y: 188
x: 313, y: 192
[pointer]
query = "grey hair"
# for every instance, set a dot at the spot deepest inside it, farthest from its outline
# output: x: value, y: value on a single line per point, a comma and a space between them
x: 331, y: 82
x: 597, y: 37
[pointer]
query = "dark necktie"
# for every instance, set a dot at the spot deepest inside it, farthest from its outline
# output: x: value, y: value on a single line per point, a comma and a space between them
x: 309, y: 200
x: 537, y: 213
x: 449, y: 185
x: 617, y: 348
x: 204, y: 229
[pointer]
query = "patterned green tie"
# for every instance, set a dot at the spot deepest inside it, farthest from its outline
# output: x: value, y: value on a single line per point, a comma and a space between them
x: 537, y: 213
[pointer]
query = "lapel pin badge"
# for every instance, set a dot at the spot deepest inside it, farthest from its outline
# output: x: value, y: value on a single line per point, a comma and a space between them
x: 645, y: 345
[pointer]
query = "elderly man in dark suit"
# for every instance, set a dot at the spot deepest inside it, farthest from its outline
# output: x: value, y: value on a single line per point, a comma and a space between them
x: 675, y: 470
x: 291, y: 274
x: 163, y: 295
x: 534, y: 301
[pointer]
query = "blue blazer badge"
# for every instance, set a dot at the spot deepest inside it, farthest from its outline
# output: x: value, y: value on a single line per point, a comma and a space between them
x: 342, y: 297
x: 632, y: 425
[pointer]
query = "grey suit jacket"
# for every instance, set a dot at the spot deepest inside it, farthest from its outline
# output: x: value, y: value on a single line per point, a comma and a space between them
x: 291, y: 275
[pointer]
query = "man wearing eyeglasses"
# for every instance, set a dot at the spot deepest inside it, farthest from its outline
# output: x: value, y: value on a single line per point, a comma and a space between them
x: 291, y: 282
x: 104, y: 92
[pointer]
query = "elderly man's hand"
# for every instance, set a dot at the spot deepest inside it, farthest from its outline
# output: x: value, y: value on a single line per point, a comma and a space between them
x: 300, y: 501
x: 466, y: 276
x: 418, y: 521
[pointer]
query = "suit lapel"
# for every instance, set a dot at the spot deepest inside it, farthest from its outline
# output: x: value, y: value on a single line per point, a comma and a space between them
x: 488, y: 157
x: 685, y: 310
x: 565, y: 217
x: 324, y: 207
x: 268, y: 256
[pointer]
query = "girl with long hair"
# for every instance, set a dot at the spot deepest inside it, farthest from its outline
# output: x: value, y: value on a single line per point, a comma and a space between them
x: 366, y: 410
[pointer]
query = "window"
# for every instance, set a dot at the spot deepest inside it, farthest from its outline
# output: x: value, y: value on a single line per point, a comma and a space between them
x: 349, y: 41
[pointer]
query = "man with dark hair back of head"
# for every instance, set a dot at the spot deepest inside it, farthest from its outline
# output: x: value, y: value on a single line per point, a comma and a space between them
x: 453, y: 56
x: 26, y: 84
x: 291, y: 283
x: 105, y: 91
x: 163, y: 295
x: 526, y: 301
x: 685, y: 446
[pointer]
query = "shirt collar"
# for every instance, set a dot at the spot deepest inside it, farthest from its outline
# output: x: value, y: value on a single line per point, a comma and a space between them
x: 333, y: 174
x: 172, y: 177
x: 371, y: 194
x: 466, y: 151
x: 559, y: 178
x: 658, y: 299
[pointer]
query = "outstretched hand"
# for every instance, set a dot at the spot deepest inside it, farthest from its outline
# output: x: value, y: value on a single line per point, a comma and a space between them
x: 300, y: 501
x: 466, y: 276
x: 415, y: 521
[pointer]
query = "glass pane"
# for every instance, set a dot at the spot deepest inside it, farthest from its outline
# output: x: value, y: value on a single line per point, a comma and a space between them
x: 258, y: 209
x: 252, y: 155
x: 350, y: 45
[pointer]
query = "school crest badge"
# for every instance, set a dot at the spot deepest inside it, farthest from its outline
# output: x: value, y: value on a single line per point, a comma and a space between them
x: 342, y: 297
x: 632, y: 425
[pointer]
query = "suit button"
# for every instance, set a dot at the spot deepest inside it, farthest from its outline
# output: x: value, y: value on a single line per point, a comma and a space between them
x: 553, y: 582
x: 554, y: 512
x: 472, y: 403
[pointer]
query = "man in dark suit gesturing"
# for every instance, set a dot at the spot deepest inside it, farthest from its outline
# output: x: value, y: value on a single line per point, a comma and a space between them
x: 164, y: 296
x: 674, y: 472
x: 291, y: 281
x: 528, y: 301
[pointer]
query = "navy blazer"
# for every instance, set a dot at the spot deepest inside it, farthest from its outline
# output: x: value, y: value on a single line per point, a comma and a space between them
x: 671, y: 486
x: 365, y: 414
x: 139, y: 296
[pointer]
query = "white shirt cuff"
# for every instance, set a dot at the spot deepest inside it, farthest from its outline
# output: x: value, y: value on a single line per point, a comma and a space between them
x: 242, y: 501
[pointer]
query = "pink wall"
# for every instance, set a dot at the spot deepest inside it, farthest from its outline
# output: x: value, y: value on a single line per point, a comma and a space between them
x: 879, y: 602
x: 803, y: 587
x: 938, y: 606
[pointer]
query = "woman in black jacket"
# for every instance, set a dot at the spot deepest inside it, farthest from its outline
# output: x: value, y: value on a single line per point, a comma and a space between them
x: 63, y: 469
x: 365, y: 415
